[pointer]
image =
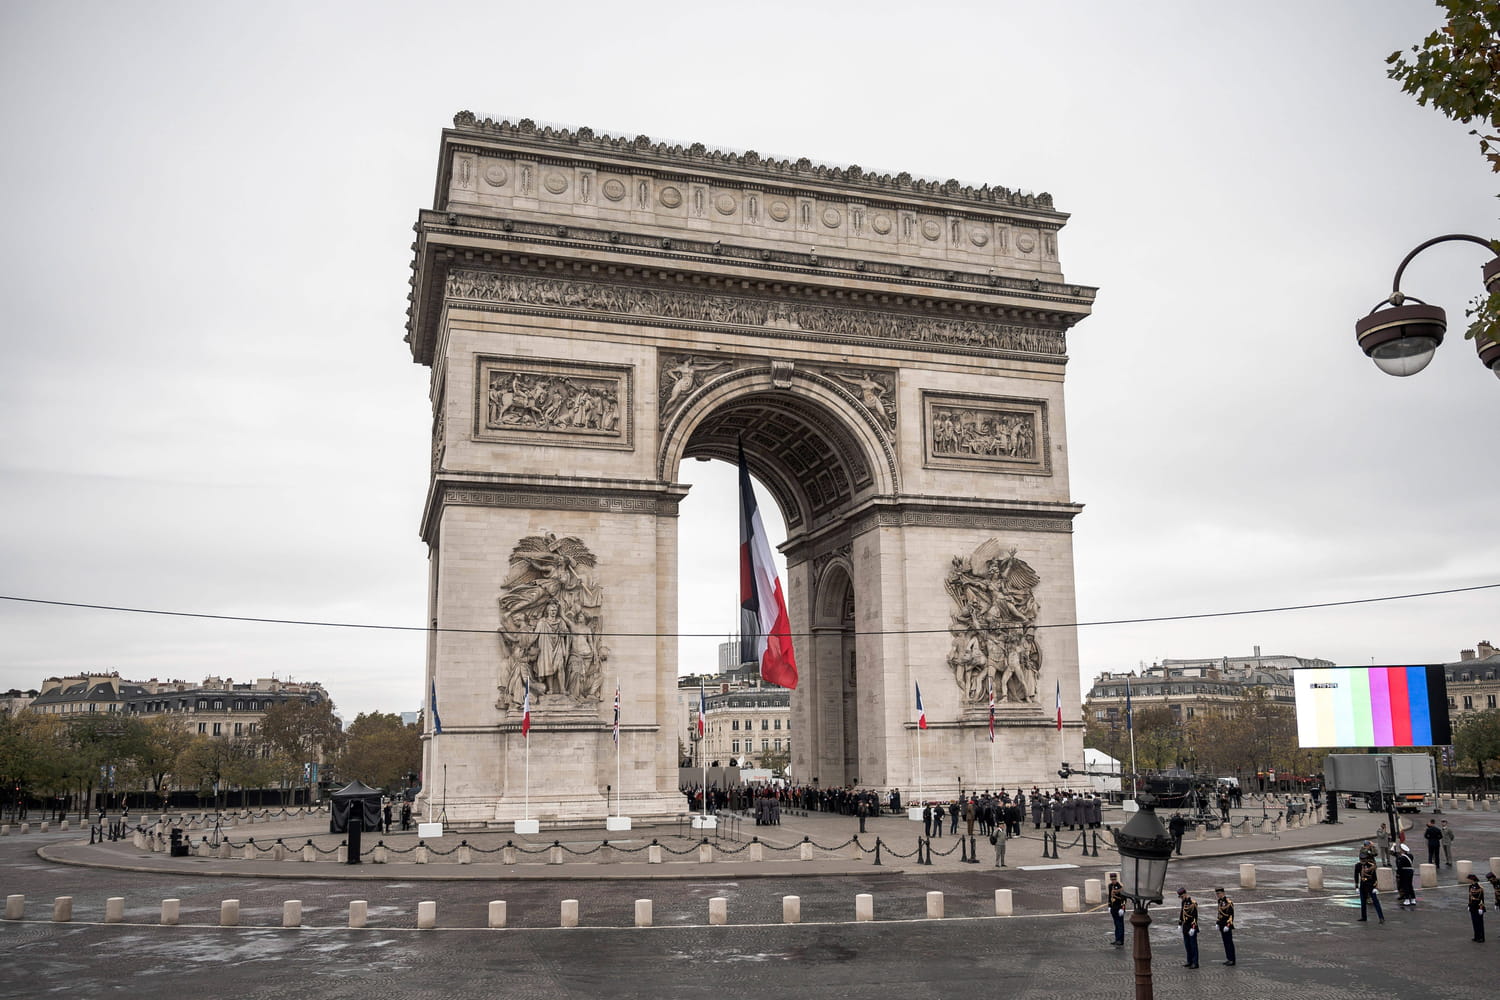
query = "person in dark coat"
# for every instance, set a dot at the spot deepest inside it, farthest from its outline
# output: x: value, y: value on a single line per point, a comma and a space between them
x: 1187, y: 920
x: 1224, y: 920
x: 1364, y: 879
x: 927, y: 820
x: 1434, y: 837
x: 1476, y: 907
x: 1177, y: 826
x: 1036, y: 812
x: 1406, y: 871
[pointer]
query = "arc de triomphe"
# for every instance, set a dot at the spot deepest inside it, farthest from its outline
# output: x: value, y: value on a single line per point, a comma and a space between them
x: 597, y: 310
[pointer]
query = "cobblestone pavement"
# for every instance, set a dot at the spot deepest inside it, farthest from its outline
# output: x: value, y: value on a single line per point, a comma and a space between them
x: 1292, y: 943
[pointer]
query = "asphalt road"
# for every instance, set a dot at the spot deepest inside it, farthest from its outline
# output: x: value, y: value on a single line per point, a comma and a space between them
x: 1292, y: 943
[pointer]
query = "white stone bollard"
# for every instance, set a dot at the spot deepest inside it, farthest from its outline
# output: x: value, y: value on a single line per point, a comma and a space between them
x: 381, y: 855
x: 791, y: 909
x: 427, y: 915
x: 497, y: 913
x: 1385, y: 878
x: 653, y: 854
x: 570, y: 913
x: 705, y: 853
x: 1225, y: 831
x: 420, y: 854
x: 1495, y: 866
x: 1247, y: 876
x: 171, y: 911
x: 1315, y: 876
x: 643, y: 913
x: 25, y: 827
x: 1485, y: 805
x: 4, y: 829
x: 806, y: 851
x: 309, y: 852
x: 114, y: 910
x: 864, y: 907
x: 1465, y: 868
x: 555, y: 855
x: 62, y: 909
x: 359, y: 913
x: 757, y: 851
x: 507, y: 855
x: 342, y: 857
x: 248, y: 852
x: 1093, y: 891
x: 1004, y: 906
x: 1200, y: 831
x: 1070, y: 899
x: 934, y: 906
x: 229, y: 913
x: 15, y: 906
x: 1428, y: 876
x: 45, y: 826
x: 718, y: 911
x: 291, y: 913
x: 1469, y: 804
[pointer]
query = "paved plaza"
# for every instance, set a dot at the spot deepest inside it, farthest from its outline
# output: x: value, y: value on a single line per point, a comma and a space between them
x: 1292, y: 942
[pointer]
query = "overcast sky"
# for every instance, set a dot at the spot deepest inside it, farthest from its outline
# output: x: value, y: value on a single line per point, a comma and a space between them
x: 207, y: 405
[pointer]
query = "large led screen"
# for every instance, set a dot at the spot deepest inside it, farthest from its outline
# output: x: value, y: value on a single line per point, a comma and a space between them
x: 1371, y: 706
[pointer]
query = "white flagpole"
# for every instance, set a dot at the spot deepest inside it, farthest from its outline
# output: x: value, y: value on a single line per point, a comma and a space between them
x: 617, y: 755
x: 919, y: 763
x: 526, y: 804
x: 1134, y: 790
x: 992, y: 766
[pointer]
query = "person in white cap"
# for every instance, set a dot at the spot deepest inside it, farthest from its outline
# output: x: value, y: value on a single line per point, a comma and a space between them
x: 1406, y: 870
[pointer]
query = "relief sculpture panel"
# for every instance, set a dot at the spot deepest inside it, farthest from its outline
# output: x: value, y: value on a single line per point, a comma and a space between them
x: 986, y: 433
x: 994, y: 626
x: 519, y: 399
x: 551, y: 617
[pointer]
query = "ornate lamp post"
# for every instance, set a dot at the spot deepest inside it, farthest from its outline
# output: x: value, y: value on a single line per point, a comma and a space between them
x: 1145, y: 849
x: 1402, y: 339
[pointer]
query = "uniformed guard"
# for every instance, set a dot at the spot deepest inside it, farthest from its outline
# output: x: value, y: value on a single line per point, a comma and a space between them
x: 1117, y: 908
x: 1187, y: 919
x: 1476, y: 906
x: 1225, y: 921
x: 1364, y: 878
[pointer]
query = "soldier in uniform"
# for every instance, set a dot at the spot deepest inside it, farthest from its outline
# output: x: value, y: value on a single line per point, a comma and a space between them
x: 1406, y: 871
x: 1187, y: 919
x: 1036, y: 811
x: 1117, y: 908
x: 1225, y: 921
x: 1364, y: 878
x: 1476, y: 907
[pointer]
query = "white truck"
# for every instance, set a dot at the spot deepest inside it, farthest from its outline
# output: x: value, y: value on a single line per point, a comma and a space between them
x: 1406, y: 782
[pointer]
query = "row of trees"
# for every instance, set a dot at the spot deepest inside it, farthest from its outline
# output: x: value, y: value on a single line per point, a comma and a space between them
x: 106, y: 758
x: 1257, y: 734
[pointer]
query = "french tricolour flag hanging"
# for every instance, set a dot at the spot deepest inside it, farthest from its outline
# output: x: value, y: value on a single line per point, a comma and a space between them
x: 764, y: 624
x: 1059, y: 706
x: 702, y: 710
x: 617, y: 714
x: 921, y: 712
x: 992, y: 711
x: 526, y: 708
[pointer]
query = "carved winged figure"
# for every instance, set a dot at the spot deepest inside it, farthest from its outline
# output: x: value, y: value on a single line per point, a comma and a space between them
x: 994, y: 625
x: 684, y: 376
x: 871, y: 393
x: 550, y: 621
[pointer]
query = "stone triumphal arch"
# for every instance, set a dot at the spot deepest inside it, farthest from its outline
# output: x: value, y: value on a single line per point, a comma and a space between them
x: 596, y: 310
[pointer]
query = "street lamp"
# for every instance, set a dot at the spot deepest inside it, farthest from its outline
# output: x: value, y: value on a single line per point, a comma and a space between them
x: 1402, y: 339
x: 1145, y: 849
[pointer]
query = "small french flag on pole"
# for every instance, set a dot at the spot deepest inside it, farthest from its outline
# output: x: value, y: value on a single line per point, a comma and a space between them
x: 526, y: 709
x: 702, y: 711
x: 921, y: 712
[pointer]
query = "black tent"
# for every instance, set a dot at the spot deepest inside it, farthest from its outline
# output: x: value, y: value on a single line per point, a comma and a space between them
x: 355, y: 799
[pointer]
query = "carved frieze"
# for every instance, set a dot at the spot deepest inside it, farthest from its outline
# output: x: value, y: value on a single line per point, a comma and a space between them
x: 994, y: 626
x: 642, y: 304
x: 562, y: 402
x: 985, y: 433
x: 551, y: 622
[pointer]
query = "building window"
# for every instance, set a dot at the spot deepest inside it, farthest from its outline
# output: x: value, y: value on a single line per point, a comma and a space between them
x: 734, y: 747
x: 1468, y: 702
x: 218, y: 729
x: 202, y: 703
x: 219, y: 705
x: 736, y: 726
x: 765, y: 724
x: 236, y: 729
x: 778, y: 724
x: 202, y: 727
x: 777, y: 744
x: 1491, y: 700
x: 765, y: 745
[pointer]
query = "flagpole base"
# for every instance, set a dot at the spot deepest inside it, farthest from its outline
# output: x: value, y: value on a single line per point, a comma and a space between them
x: 528, y: 826
x: 705, y: 822
x: 615, y: 824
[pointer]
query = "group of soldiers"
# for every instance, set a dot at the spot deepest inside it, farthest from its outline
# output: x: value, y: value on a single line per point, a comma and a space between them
x: 1366, y: 882
x: 1187, y: 920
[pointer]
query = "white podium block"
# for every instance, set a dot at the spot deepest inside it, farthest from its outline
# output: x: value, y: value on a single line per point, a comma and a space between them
x: 614, y: 824
x: 528, y: 826
x: 425, y: 830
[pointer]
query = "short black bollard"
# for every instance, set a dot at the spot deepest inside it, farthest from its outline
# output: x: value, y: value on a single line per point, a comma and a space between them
x: 356, y: 829
x: 877, y: 850
x: 973, y: 851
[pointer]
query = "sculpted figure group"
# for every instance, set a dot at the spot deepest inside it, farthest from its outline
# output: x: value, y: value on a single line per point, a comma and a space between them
x: 994, y: 626
x: 550, y: 621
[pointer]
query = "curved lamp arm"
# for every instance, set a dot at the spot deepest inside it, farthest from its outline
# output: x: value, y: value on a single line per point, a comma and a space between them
x: 1396, y: 296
